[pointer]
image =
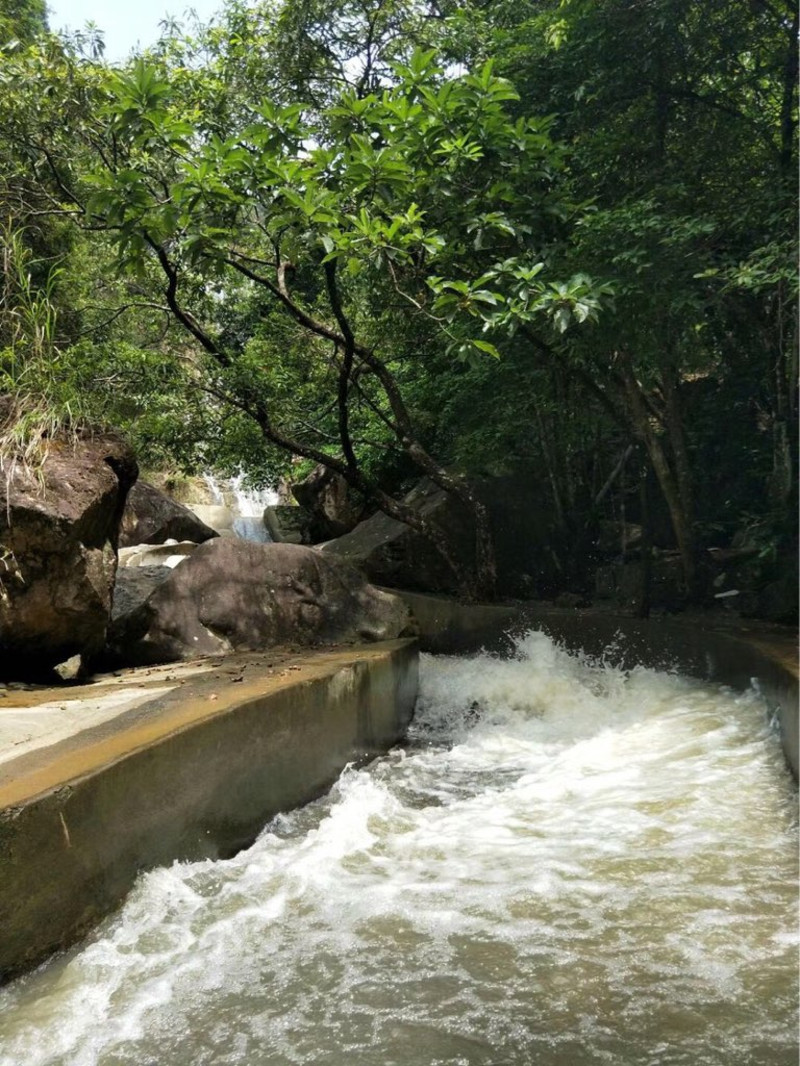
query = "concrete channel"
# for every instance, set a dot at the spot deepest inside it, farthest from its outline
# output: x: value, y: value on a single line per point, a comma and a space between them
x: 188, y: 761
x: 736, y: 654
x: 183, y: 762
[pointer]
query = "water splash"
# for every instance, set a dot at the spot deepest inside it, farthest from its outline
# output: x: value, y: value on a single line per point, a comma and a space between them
x: 248, y: 502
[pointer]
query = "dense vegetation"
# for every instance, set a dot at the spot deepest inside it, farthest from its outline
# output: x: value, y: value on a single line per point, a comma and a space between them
x: 405, y: 238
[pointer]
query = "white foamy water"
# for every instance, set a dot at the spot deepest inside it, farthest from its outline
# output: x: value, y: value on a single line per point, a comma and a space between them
x: 566, y: 865
x: 247, y: 505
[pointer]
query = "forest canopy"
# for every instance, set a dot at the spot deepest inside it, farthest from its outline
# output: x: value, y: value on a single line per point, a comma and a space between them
x: 404, y: 239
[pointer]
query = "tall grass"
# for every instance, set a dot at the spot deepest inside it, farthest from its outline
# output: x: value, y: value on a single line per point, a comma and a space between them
x: 38, y: 401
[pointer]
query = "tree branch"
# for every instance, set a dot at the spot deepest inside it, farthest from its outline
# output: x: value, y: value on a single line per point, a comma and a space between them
x: 116, y: 314
x: 346, y: 369
x: 186, y: 320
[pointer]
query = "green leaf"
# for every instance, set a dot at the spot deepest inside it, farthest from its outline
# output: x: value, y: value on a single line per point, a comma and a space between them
x: 485, y: 346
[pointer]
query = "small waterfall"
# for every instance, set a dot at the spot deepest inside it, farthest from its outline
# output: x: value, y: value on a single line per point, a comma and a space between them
x: 215, y: 490
x: 245, y: 506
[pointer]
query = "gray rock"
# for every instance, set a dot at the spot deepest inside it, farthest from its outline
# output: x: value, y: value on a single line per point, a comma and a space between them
x: 334, y: 507
x: 71, y: 670
x: 391, y: 553
x: 153, y: 517
x: 622, y: 583
x: 218, y: 516
x: 777, y: 601
x: 58, y: 536
x: 613, y: 536
x: 570, y: 600
x: 172, y: 553
x: 288, y: 524
x: 234, y: 594
x: 134, y: 585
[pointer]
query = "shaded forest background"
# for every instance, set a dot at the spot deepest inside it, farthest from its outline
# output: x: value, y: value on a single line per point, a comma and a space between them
x: 550, y: 237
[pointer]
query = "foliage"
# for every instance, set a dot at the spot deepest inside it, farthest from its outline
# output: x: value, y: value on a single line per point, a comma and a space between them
x: 337, y: 230
x: 21, y: 21
x: 681, y: 122
x: 40, y: 396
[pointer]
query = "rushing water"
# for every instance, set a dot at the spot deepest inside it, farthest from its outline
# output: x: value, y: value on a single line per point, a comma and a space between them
x: 565, y: 865
x: 246, y: 505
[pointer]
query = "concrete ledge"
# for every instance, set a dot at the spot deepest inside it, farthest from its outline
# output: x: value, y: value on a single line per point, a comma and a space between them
x: 191, y: 774
x: 733, y: 657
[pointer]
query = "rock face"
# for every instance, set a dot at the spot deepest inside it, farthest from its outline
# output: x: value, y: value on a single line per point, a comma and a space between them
x: 288, y: 525
x: 152, y: 517
x: 232, y: 594
x: 335, y: 508
x: 621, y: 582
x: 134, y: 585
x: 216, y: 516
x: 390, y: 553
x: 58, y: 538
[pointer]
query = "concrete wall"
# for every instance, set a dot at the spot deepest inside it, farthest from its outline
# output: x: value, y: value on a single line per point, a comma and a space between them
x: 733, y: 658
x: 195, y: 779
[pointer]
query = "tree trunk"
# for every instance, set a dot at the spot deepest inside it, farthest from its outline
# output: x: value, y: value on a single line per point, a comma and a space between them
x: 356, y: 359
x: 783, y: 477
x: 642, y: 609
x: 473, y: 583
x: 552, y: 475
x: 485, y: 587
x: 668, y: 483
x: 788, y: 115
x: 484, y: 583
x: 677, y: 440
x: 684, y: 534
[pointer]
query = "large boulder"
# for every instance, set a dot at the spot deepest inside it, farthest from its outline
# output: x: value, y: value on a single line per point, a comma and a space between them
x: 622, y: 583
x: 334, y: 506
x: 391, y: 553
x: 153, y: 517
x: 59, y: 525
x: 773, y: 600
x: 232, y: 594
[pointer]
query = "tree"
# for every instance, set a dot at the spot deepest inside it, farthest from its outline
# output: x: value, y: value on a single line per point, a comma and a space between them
x: 347, y: 271
x: 423, y: 203
x: 680, y: 122
x: 21, y: 21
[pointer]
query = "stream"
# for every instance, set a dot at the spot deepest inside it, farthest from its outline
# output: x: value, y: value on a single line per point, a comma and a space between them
x: 566, y: 864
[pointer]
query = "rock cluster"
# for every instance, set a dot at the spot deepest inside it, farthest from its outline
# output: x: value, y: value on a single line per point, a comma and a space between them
x: 231, y: 594
x: 181, y: 591
x: 333, y: 507
x: 391, y: 553
x: 59, y: 524
x: 59, y: 579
